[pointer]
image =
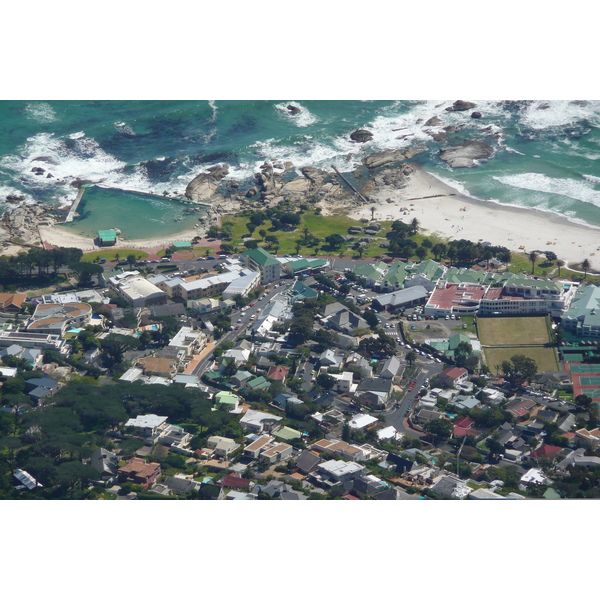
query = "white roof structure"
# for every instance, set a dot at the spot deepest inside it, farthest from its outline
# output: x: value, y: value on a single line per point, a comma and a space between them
x: 361, y: 421
x: 184, y: 337
x: 388, y: 433
x: 242, y: 285
x: 146, y: 421
x: 533, y: 476
x: 255, y: 417
x: 8, y: 371
x: 26, y: 479
x: 339, y: 468
x: 131, y: 375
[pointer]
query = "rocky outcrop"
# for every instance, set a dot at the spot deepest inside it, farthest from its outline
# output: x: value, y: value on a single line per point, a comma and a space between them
x: 390, y: 157
x: 466, y: 154
x: 204, y: 186
x: 361, y: 136
x: 20, y: 224
x: 433, y: 122
x: 461, y: 105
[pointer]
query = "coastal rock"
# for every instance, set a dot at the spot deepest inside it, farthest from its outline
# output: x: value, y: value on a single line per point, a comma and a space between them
x: 38, y: 170
x: 361, y: 136
x: 204, y: 186
x: 296, y: 186
x: 77, y: 183
x: 47, y: 159
x: 439, y: 137
x: 251, y: 192
x: 21, y: 223
x: 433, y: 122
x: 461, y: 105
x: 389, y: 157
x: 14, y: 198
x: 293, y: 110
x: 466, y: 154
x: 476, y: 115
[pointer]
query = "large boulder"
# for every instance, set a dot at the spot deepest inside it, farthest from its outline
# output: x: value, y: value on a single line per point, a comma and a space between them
x: 390, y: 157
x: 466, y: 154
x: 204, y: 186
x: 293, y: 110
x: 433, y: 122
x: 461, y: 105
x: 361, y: 136
x: 476, y: 115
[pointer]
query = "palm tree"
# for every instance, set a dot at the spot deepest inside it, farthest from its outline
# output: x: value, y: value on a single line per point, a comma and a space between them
x: 532, y: 258
x: 372, y: 213
x: 559, y: 264
x: 585, y: 265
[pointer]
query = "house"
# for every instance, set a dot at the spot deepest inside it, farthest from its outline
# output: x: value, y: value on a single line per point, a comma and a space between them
x: 27, y: 481
x: 329, y: 358
x: 258, y: 383
x: 337, y: 471
x: 520, y: 407
x: 362, y: 421
x: 234, y: 482
x: 137, y: 290
x: 389, y: 433
x: 221, y: 447
x: 105, y: 462
x: 343, y: 449
x: 254, y: 449
x: 277, y: 373
x: 189, y: 341
x: 401, y: 299
x: 137, y: 470
x: 240, y: 496
x: 453, y: 376
x: 148, y: 424
x: 343, y: 381
x: 162, y: 367
x: 241, y: 378
x: 55, y: 318
x: 307, y: 462
x: 390, y: 368
x: 546, y: 452
x: 450, y: 486
x: 286, y: 433
x: 11, y: 303
x: 277, y: 452
x: 182, y: 485
x: 228, y: 400
x: 368, y: 485
x: 281, y: 400
x: 589, y: 439
x: 374, y: 392
x: 534, y: 476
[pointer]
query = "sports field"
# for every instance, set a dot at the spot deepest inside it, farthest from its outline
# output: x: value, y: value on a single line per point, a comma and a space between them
x: 501, y: 331
x: 545, y: 358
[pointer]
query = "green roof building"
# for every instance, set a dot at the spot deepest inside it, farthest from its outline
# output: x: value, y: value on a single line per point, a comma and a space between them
x: 228, y: 400
x: 107, y: 237
x: 286, y: 433
x: 258, y: 259
x: 583, y: 316
x: 187, y: 245
x: 259, y: 383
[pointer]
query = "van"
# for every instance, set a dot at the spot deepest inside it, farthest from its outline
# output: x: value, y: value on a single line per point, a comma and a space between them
x: 165, y: 259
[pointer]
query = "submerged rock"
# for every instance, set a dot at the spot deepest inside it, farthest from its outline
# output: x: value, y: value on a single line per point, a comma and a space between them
x: 466, y: 154
x: 461, y: 105
x: 389, y: 157
x: 476, y: 115
x: 361, y: 136
x: 433, y: 122
x: 293, y: 110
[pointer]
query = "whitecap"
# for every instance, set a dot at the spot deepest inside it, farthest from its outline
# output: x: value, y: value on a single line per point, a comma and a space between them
x: 77, y: 135
x: 592, y: 178
x: 513, y: 151
x: 544, y: 114
x: 41, y: 112
x: 537, y: 182
x: 303, y: 119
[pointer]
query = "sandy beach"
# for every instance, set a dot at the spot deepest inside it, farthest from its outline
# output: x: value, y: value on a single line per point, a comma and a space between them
x: 452, y: 215
x: 63, y: 236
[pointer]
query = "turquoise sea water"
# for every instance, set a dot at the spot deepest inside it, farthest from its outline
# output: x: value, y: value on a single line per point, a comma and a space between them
x: 547, y: 153
x: 136, y: 215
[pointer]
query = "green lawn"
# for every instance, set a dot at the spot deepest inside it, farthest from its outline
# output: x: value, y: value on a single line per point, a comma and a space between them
x: 193, y: 253
x: 319, y: 226
x: 498, y: 331
x: 111, y: 254
x: 545, y: 358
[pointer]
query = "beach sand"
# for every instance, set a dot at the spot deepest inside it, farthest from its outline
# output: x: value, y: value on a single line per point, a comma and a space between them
x: 452, y: 215
x: 62, y: 236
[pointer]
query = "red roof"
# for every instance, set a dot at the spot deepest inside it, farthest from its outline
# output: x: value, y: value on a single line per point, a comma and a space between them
x: 546, y: 451
x: 454, y: 372
x: 465, y: 422
x: 350, y: 497
x: 277, y: 373
x: 462, y: 431
x: 569, y: 435
x: 233, y: 481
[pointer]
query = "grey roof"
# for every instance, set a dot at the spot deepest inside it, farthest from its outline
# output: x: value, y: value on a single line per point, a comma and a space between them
x: 390, y: 367
x: 168, y: 310
x: 375, y: 384
x: 104, y: 461
x: 307, y: 461
x: 404, y: 296
x: 43, y: 382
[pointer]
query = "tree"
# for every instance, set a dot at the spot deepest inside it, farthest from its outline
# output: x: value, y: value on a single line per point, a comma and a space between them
x: 371, y: 318
x: 532, y: 257
x: 462, y: 352
x: 414, y: 225
x: 131, y: 260
x: 584, y: 401
x: 85, y: 271
x: 335, y: 240
x: 421, y: 252
x: 440, y: 428
x: 559, y: 264
x: 585, y: 266
x: 325, y: 381
x: 411, y: 356
x: 518, y: 369
x: 262, y: 233
x: 550, y: 256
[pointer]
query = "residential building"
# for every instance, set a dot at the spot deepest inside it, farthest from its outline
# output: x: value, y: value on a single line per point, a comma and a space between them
x: 454, y: 376
x: 55, y: 318
x: 583, y: 316
x: 256, y: 421
x: 11, y: 302
x: 254, y: 449
x: 189, y: 340
x: 258, y: 259
x: 221, y: 447
x: 148, y: 424
x: 137, y: 290
x: 138, y: 471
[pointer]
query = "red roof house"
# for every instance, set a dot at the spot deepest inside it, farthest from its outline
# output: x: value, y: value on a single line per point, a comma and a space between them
x: 234, y: 482
x: 546, y: 451
x: 277, y: 373
x: 454, y: 375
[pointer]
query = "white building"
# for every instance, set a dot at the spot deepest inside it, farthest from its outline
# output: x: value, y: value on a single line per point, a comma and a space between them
x: 137, y: 290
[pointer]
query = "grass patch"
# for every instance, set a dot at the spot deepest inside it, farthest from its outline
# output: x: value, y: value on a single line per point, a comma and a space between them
x: 545, y: 358
x: 497, y: 331
x: 113, y: 255
x: 459, y: 326
x: 193, y: 253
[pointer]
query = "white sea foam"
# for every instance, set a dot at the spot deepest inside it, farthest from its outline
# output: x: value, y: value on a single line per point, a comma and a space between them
x: 86, y: 161
x: 8, y: 190
x: 543, y: 114
x: 537, y: 182
x: 77, y: 135
x: 41, y: 112
x: 303, y: 119
x: 124, y: 128
x: 459, y: 187
x: 513, y: 151
x: 215, y: 110
x: 592, y: 178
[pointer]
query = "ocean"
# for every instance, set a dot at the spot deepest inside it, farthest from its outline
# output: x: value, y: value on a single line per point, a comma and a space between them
x: 547, y: 154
